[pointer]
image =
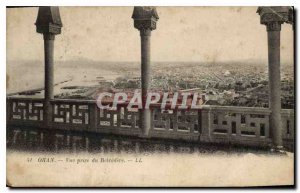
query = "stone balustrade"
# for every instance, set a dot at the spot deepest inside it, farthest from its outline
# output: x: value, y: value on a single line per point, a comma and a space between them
x: 214, y: 124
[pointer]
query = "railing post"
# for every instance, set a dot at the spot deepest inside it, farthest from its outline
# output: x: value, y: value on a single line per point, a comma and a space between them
x: 175, y: 120
x: 8, y: 110
x: 205, y: 124
x: 93, y: 116
x: 119, y: 109
x: 9, y: 131
x: 151, y: 119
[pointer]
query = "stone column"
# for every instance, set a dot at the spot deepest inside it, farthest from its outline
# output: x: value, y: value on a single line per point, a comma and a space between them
x: 145, y: 19
x: 146, y: 79
x: 49, y: 68
x: 273, y: 29
x: 273, y: 17
x: 49, y: 24
x: 49, y: 76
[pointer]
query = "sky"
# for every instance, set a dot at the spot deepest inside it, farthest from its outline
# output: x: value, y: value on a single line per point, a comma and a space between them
x: 197, y: 34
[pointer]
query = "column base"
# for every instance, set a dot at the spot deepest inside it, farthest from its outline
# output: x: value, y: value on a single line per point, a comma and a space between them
x: 144, y: 136
x: 278, y: 149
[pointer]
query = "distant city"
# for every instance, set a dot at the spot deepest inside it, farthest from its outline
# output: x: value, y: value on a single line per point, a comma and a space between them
x: 226, y: 84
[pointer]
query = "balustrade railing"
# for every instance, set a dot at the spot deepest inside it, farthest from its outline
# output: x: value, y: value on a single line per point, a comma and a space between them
x: 238, y: 124
x: 218, y: 124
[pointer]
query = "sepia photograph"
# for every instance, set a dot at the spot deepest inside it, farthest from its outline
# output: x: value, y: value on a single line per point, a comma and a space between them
x: 150, y: 96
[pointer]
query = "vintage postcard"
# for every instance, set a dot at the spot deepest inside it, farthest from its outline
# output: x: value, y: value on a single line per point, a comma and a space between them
x: 150, y: 96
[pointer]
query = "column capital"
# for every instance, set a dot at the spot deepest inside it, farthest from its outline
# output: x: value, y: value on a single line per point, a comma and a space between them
x: 48, y: 21
x: 273, y: 26
x: 145, y: 32
x: 145, y: 19
x: 48, y: 36
x: 273, y: 17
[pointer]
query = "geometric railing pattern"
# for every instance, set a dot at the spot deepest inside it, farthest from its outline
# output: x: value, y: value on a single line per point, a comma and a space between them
x: 218, y: 124
x: 240, y: 124
x: 26, y: 109
x: 70, y: 113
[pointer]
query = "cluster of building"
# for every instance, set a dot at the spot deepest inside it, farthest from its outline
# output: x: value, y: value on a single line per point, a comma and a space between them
x: 218, y: 85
